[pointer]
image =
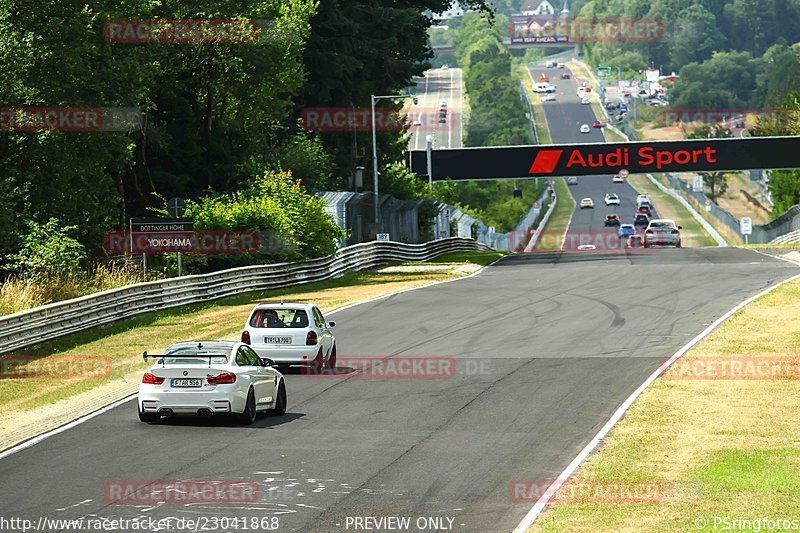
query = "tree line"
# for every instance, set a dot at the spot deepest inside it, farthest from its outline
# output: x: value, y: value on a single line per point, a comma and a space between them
x: 216, y: 117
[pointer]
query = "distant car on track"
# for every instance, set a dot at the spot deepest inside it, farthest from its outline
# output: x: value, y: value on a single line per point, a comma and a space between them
x: 641, y: 220
x: 597, y: 124
x: 644, y: 209
x: 585, y: 128
x: 662, y: 231
x: 635, y: 241
x: 291, y: 334
x: 210, y: 378
x: 585, y: 101
x: 626, y: 230
x: 612, y: 199
x: 572, y: 180
x: 642, y: 198
x: 611, y: 220
x: 617, y: 179
x: 587, y: 203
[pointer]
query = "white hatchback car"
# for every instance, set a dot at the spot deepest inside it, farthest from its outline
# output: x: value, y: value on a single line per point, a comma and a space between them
x: 210, y: 378
x: 612, y: 199
x: 586, y: 129
x: 587, y: 202
x: 291, y: 334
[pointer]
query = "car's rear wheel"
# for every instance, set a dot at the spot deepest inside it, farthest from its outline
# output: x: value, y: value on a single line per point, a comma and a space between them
x: 249, y: 415
x: 280, y: 402
x: 148, y: 417
x: 678, y: 245
x: 315, y: 368
x: 332, y: 358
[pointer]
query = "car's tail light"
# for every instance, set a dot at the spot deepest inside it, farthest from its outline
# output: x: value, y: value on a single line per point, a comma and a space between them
x: 226, y: 378
x: 246, y: 337
x: 675, y: 232
x: 152, y: 379
x: 311, y: 338
x: 649, y: 232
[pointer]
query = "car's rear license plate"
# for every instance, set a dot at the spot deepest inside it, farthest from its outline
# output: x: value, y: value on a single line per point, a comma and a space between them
x: 277, y: 340
x: 187, y: 382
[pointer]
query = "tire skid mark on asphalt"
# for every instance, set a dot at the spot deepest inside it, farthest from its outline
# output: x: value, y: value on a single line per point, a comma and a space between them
x: 429, y: 435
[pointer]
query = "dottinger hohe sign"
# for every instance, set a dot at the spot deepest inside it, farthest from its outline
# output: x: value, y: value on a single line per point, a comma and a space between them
x: 610, y: 158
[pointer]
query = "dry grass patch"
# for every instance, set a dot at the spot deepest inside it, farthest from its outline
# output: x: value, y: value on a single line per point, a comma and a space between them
x: 718, y: 447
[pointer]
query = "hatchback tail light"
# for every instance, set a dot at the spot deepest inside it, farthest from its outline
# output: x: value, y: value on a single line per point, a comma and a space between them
x: 675, y: 232
x: 649, y: 232
x: 226, y: 378
x: 311, y: 338
x: 152, y: 379
x: 246, y: 337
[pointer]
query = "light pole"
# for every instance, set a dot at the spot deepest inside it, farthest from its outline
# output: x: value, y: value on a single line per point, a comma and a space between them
x: 376, y: 189
x: 429, y: 154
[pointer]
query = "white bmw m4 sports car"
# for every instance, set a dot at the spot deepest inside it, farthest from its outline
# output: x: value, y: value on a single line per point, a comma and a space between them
x: 210, y: 378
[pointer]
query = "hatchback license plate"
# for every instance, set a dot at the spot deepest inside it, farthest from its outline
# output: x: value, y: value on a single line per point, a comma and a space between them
x: 277, y: 340
x: 187, y: 382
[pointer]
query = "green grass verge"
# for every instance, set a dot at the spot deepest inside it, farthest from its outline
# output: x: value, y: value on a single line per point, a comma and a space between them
x: 540, y: 119
x: 715, y: 447
x: 552, y: 237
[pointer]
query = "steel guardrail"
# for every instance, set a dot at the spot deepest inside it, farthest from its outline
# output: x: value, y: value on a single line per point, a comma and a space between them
x: 40, y: 324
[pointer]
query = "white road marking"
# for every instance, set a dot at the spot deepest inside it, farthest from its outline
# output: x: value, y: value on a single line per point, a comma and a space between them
x: 540, y: 505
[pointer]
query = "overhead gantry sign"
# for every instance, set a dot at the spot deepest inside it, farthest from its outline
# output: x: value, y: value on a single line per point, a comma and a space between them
x: 609, y: 158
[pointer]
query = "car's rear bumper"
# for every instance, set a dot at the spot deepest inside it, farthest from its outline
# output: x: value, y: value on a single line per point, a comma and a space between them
x: 660, y: 241
x: 223, y: 399
x: 287, y: 354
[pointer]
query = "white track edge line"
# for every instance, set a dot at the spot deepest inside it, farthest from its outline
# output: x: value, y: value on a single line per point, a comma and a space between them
x: 69, y: 425
x: 540, y: 505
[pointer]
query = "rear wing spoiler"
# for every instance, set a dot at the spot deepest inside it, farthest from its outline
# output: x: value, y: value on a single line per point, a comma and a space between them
x: 209, y: 356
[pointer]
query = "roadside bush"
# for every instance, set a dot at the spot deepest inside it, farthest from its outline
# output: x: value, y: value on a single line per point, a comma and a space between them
x: 49, y: 249
x: 292, y: 224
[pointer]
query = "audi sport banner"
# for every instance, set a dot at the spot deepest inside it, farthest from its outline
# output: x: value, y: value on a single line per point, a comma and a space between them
x: 610, y: 158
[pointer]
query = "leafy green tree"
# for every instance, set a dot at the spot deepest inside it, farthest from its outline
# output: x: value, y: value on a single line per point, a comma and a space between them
x: 784, y: 185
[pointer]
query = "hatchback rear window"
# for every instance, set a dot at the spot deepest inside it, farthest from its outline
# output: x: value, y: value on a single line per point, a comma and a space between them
x: 279, y: 318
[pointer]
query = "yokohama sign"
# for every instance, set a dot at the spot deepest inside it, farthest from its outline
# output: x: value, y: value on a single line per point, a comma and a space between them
x: 610, y: 158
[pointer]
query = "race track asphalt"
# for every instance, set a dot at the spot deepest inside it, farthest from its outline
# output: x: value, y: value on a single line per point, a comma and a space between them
x: 564, y: 118
x: 545, y: 346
